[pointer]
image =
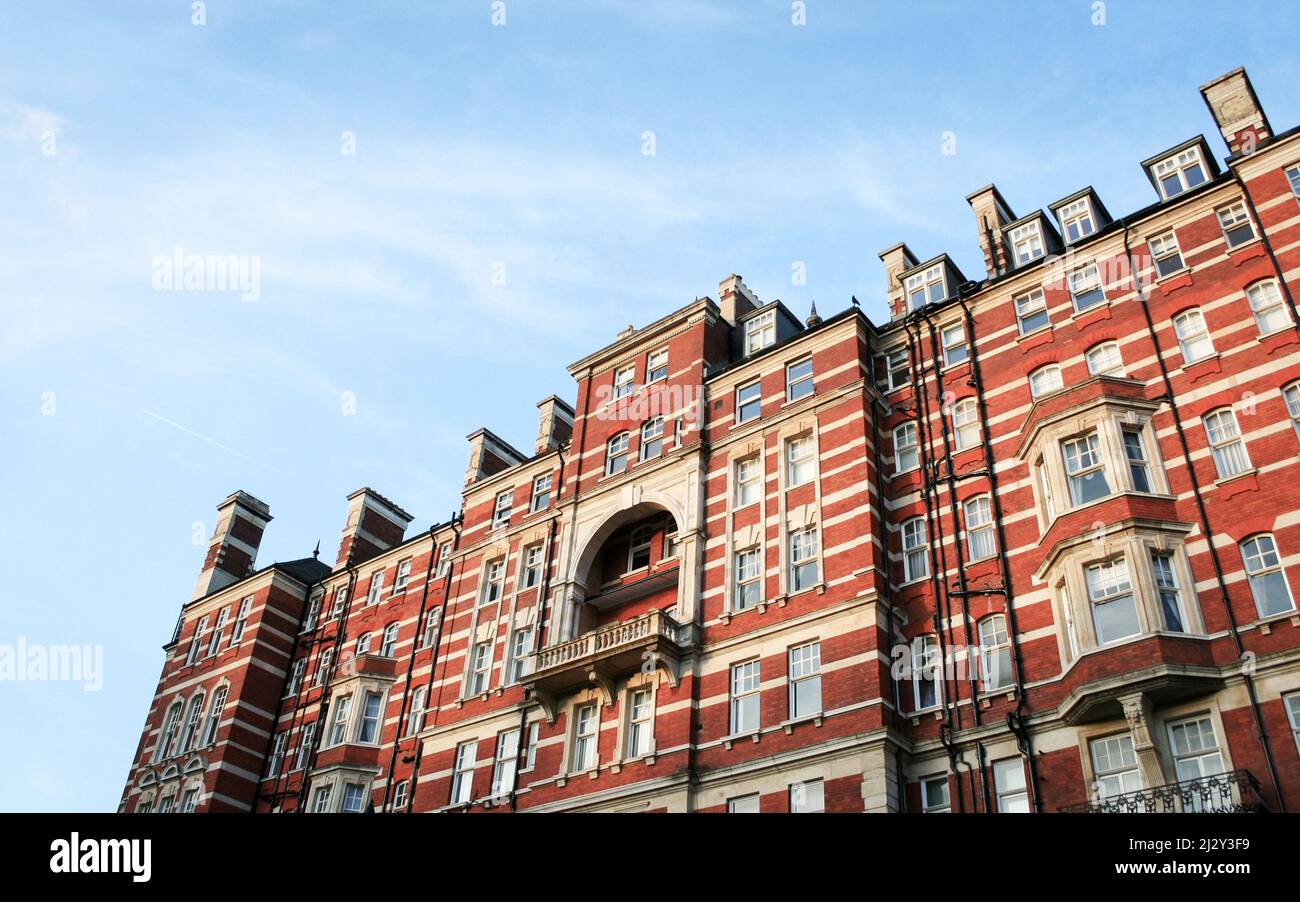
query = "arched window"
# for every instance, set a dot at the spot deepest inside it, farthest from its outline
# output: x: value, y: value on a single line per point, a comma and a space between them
x: 389, y: 646
x: 927, y: 669
x: 363, y: 644
x: 1271, y: 313
x: 652, y: 438
x: 965, y: 424
x: 1226, y: 443
x: 1045, y: 380
x: 995, y: 653
x: 1291, y: 394
x: 907, y: 456
x: 1193, y: 335
x: 190, y: 731
x: 980, y: 541
x: 915, y: 561
x: 616, y: 454
x: 214, y: 716
x: 1104, y: 359
x: 1268, y: 582
x: 171, y: 723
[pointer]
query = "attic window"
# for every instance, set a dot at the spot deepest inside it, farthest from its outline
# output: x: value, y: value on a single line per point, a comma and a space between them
x: 760, y: 332
x: 926, y: 288
x: 1027, y: 243
x: 1077, y: 220
x: 1179, y: 173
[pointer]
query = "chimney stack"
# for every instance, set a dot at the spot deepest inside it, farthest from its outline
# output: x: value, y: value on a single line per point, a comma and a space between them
x: 992, y: 213
x: 232, y: 551
x: 1232, y: 101
x: 735, y: 299
x: 556, y: 424
x: 374, y: 524
x: 898, y: 260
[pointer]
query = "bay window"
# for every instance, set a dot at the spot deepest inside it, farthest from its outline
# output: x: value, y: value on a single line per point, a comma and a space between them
x: 1084, y: 469
x: 1110, y: 592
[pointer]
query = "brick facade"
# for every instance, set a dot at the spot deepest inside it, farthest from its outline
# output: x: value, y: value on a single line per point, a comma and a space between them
x: 707, y: 583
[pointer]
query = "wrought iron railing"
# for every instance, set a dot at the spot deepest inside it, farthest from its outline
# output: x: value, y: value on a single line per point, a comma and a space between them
x: 1233, y: 791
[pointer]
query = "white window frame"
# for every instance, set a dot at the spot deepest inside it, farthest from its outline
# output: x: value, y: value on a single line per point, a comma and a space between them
x: 800, y: 460
x: 981, y: 536
x: 1291, y: 702
x: 748, y: 567
x: 995, y: 653
x: 415, y: 714
x: 966, y: 431
x: 808, y: 797
x: 313, y: 612
x: 241, y: 620
x: 798, y: 386
x: 953, y: 340
x: 376, y: 590
x: 339, y: 717
x: 1138, y: 459
x: 1261, y: 558
x: 1293, y: 177
x: 624, y: 381
x: 746, y: 686
x: 586, y: 737
x: 760, y: 332
x: 479, y: 678
x: 746, y: 804
x: 532, y: 569
x: 749, y: 479
x: 1227, y: 445
x: 616, y: 454
x: 218, y: 631
x: 401, y: 577
x: 1193, y: 334
x: 655, y: 361
x: 927, y: 669
x: 1115, y: 769
x: 1110, y: 582
x: 1076, y: 214
x: 907, y: 449
x: 898, y: 369
x: 388, y: 645
x: 1086, y: 290
x: 1029, y: 237
x: 1030, y: 306
x: 652, y: 438
x: 1234, y: 221
x: 915, y: 547
x: 805, y: 571
x: 1083, y: 459
x: 541, y: 498
x: 1179, y: 165
x: 920, y: 287
x: 295, y: 677
x: 371, y: 721
x: 505, y: 763
x: 1164, y: 249
x: 521, y: 648
x: 640, y: 722
x: 1046, y: 380
x: 305, y: 739
x: 931, y: 805
x: 756, y: 401
x: 1291, y: 398
x: 494, y: 582
x: 1011, y: 791
x: 804, y: 680
x: 213, y: 721
x: 1112, y: 364
x: 639, y: 542
x: 502, y: 507
x: 462, y: 780
x: 1269, y: 308
x: 323, y: 662
x: 1169, y: 594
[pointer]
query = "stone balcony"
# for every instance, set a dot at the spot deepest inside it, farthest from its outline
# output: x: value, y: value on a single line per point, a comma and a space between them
x: 652, y: 641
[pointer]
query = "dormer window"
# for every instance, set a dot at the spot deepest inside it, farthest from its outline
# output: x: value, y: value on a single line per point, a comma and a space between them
x: 1077, y: 220
x: 1027, y: 243
x: 1179, y: 173
x: 926, y: 288
x: 760, y: 332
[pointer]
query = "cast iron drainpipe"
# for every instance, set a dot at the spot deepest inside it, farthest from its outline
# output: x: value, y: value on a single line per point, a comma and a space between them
x: 888, y: 592
x: 922, y: 416
x: 1016, y: 719
x: 1261, y: 732
x: 410, y: 666
x: 456, y: 525
x: 958, y: 552
x: 322, y: 716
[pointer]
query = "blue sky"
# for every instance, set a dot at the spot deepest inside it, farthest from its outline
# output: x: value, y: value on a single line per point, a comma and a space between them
x: 499, y: 219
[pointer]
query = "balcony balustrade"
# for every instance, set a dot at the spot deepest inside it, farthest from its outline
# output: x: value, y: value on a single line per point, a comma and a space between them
x: 1230, y: 792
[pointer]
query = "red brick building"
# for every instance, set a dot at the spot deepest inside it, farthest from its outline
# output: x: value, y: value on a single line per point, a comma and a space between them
x: 1034, y: 543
